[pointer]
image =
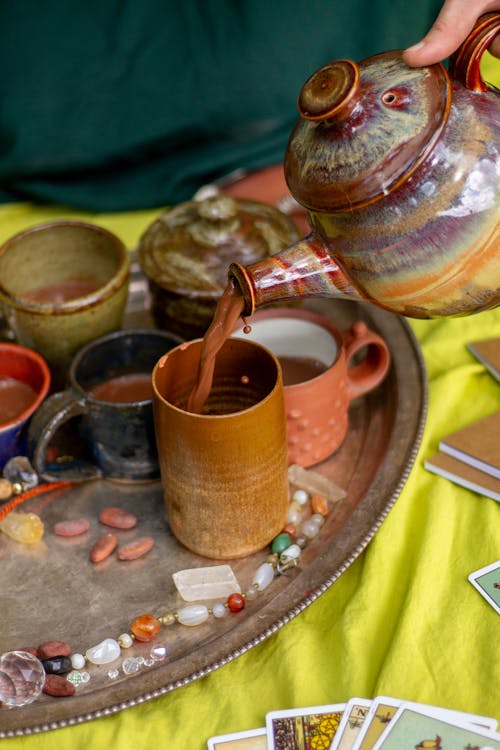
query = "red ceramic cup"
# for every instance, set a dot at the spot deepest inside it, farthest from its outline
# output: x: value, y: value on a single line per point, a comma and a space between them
x: 24, y: 383
x: 324, y: 369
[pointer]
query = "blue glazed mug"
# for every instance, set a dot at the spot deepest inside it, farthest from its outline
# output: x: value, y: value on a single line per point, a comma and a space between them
x: 24, y: 384
x: 107, y: 407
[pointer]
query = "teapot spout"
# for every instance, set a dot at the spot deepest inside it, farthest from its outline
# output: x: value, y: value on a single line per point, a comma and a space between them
x: 305, y: 269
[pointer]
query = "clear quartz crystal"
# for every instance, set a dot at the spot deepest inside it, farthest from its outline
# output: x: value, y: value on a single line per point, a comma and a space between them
x: 21, y: 678
x: 314, y: 483
x: 18, y: 470
x: 130, y: 665
x: 213, y: 582
x: 104, y: 652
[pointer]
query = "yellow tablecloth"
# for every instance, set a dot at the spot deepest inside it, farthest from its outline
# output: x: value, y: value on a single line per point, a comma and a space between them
x: 403, y: 620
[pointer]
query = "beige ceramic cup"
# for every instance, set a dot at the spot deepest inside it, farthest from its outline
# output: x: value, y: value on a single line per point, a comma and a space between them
x: 224, y: 472
x: 65, y: 255
x: 350, y: 364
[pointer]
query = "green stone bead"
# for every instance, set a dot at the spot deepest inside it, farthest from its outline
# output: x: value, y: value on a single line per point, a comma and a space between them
x: 281, y: 543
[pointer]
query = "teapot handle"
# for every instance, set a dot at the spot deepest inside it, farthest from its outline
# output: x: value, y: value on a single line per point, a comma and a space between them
x: 464, y: 63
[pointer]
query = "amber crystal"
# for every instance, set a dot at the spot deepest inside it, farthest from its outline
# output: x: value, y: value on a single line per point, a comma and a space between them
x: 145, y: 627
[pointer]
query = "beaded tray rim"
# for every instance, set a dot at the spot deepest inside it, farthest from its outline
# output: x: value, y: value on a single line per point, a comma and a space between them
x: 409, y: 389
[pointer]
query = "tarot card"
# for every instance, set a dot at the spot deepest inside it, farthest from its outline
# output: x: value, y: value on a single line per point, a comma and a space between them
x: 384, y: 708
x: 351, y: 722
x: 416, y: 729
x: 253, y: 739
x: 379, y: 715
x: 487, y: 582
x: 308, y: 728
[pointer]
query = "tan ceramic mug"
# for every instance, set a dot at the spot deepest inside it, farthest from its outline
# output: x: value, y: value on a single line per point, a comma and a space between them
x: 324, y: 369
x: 224, y: 471
x: 63, y: 284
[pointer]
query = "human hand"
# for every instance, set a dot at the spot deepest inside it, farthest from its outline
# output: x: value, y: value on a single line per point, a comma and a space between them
x: 450, y: 29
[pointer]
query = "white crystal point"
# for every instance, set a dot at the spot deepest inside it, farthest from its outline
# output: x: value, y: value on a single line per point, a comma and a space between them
x: 104, y: 652
x: 213, y: 582
x: 314, y: 483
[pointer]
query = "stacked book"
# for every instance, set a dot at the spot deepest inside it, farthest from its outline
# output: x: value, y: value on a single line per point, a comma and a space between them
x: 471, y: 456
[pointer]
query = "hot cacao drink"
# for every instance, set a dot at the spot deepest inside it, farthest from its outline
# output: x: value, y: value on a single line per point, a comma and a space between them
x: 124, y: 389
x: 300, y: 369
x: 229, y: 309
x: 62, y: 291
x: 15, y: 398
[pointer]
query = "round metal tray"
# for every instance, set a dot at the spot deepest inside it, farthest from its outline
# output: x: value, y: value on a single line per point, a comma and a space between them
x: 52, y: 591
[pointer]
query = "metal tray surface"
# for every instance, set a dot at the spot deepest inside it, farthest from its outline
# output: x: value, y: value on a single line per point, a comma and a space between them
x: 52, y: 591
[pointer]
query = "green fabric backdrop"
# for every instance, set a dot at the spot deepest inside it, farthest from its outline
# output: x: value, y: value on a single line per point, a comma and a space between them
x: 123, y: 105
x: 402, y: 620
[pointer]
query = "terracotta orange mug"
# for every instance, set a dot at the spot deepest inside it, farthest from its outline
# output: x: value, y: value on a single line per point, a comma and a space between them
x: 324, y: 369
x: 224, y: 471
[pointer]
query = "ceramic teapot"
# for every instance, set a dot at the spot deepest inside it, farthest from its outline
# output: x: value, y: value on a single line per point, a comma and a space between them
x: 398, y: 169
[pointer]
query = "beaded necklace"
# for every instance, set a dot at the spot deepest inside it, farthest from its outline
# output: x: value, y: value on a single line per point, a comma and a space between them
x: 54, y: 669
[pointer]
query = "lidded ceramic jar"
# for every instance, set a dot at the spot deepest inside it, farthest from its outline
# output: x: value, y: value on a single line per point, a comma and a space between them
x: 186, y: 252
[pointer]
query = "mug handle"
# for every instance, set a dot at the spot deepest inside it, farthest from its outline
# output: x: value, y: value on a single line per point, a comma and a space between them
x: 464, y: 64
x: 55, y: 411
x: 372, y: 369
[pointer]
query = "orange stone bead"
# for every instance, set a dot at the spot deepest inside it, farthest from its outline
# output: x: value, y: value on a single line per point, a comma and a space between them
x: 319, y: 505
x: 145, y: 627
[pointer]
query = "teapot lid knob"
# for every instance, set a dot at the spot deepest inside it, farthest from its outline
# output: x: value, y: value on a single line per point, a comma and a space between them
x: 330, y: 91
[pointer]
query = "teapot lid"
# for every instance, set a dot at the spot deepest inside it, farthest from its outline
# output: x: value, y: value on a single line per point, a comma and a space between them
x: 364, y: 129
x: 188, y: 249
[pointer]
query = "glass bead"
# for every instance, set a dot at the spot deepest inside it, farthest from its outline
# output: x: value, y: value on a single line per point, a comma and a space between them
x: 300, y: 496
x: 280, y: 543
x: 264, y: 575
x: 219, y: 610
x: 130, y: 665
x: 301, y: 542
x: 76, y: 678
x: 19, y: 470
x: 57, y: 665
x: 77, y: 661
x: 125, y: 640
x: 22, y: 677
x: 148, y: 662
x: 158, y: 652
x: 235, y: 602
x: 292, y: 552
x: 113, y: 674
x: 251, y: 593
x: 310, y: 529
x: 145, y: 627
x: 290, y: 529
x: 194, y: 614
x: 319, y: 519
x: 26, y: 528
x: 104, y: 652
x: 85, y: 676
x: 294, y: 514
